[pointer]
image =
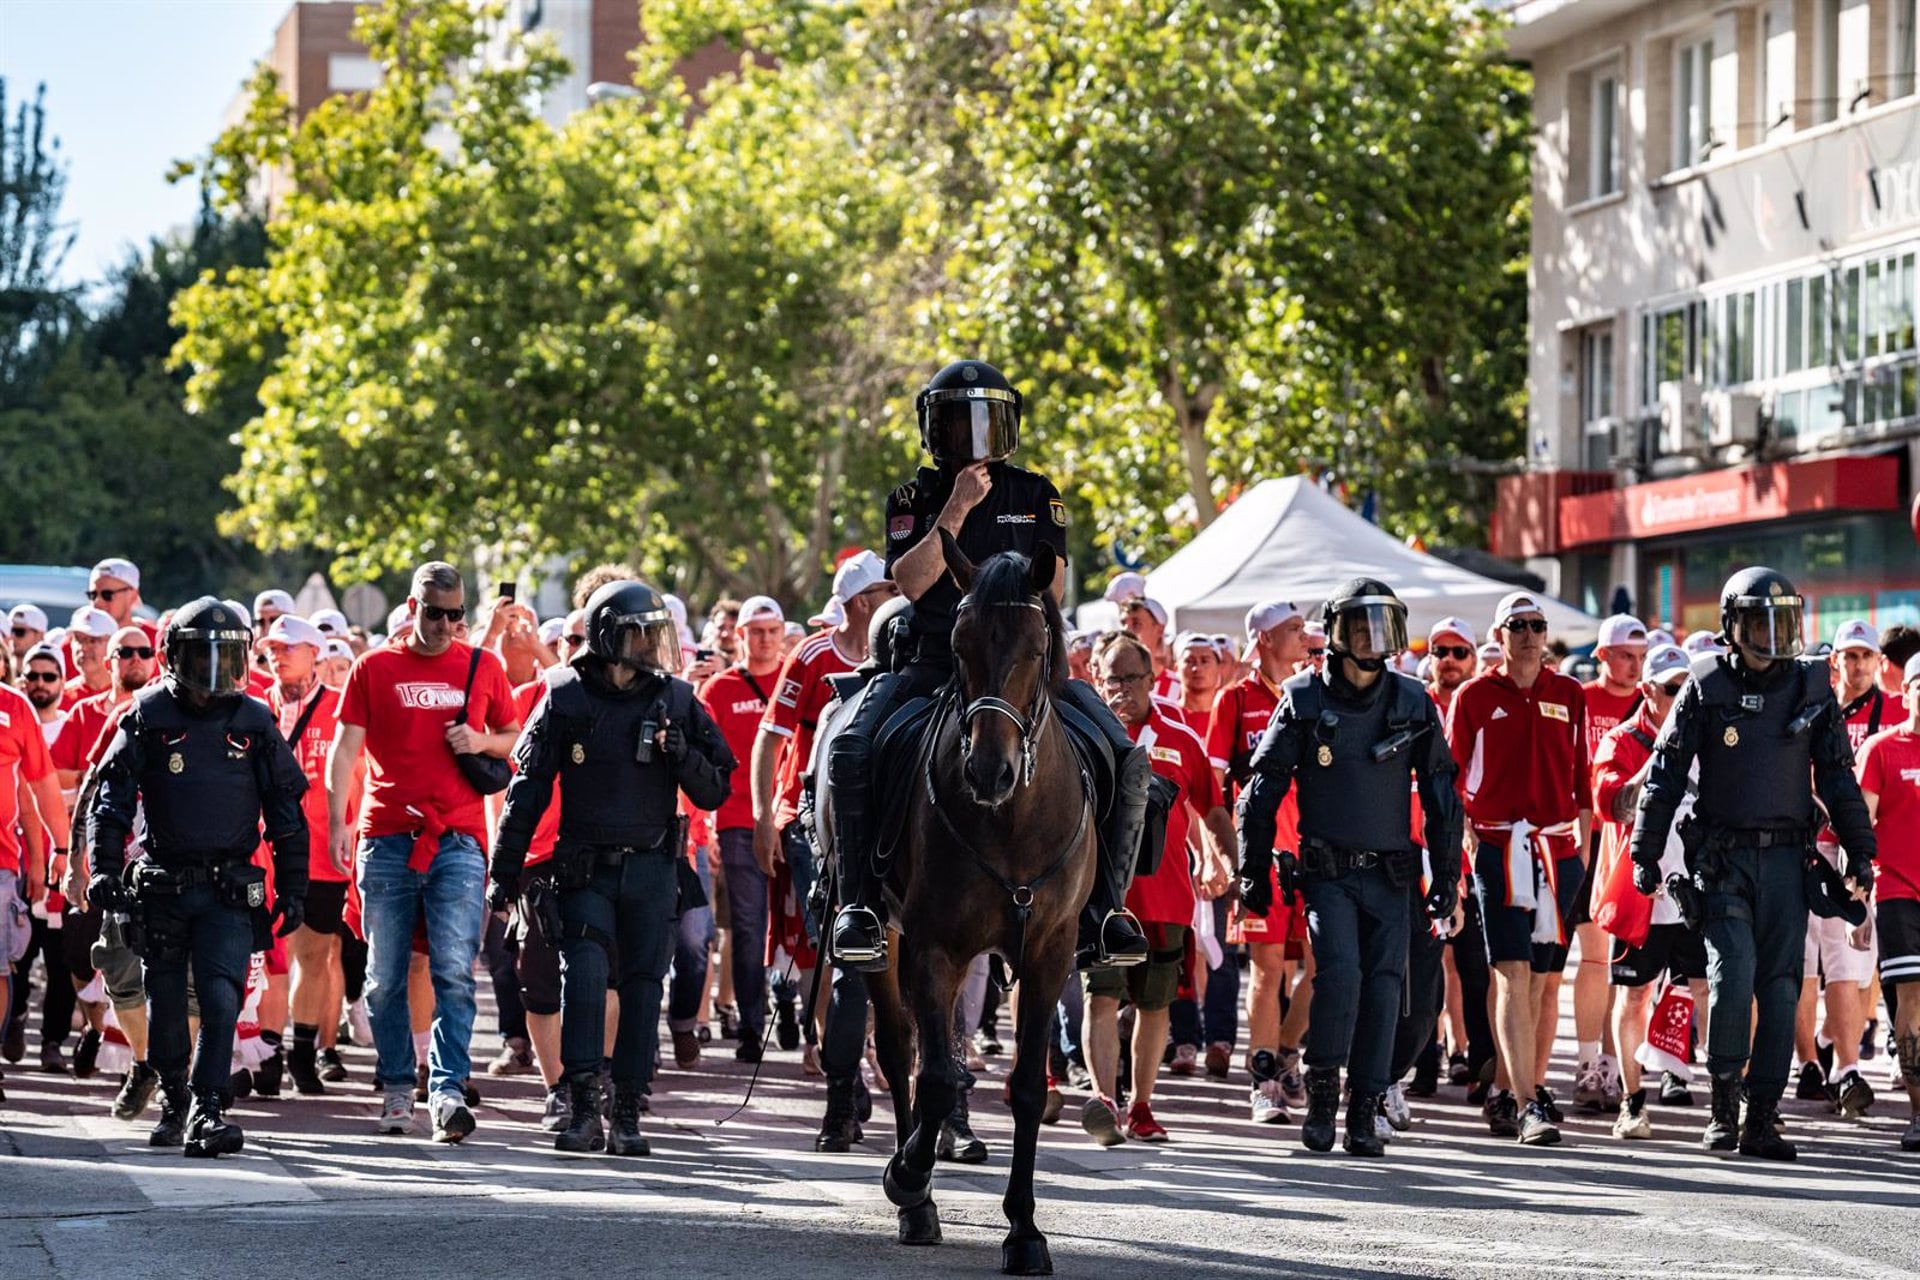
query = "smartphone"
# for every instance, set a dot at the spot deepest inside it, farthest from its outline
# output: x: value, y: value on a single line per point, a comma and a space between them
x: 703, y: 655
x: 508, y: 590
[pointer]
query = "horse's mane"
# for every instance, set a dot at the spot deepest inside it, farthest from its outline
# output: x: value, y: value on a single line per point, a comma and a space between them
x: 1003, y: 579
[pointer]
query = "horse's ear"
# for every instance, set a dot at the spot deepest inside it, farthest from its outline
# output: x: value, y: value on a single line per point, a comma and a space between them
x: 1045, y: 565
x: 957, y: 563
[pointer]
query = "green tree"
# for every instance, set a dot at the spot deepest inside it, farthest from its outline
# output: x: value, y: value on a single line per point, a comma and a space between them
x: 34, y: 310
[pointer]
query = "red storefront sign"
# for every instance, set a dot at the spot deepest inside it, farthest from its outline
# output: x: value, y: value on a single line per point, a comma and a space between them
x: 1736, y: 496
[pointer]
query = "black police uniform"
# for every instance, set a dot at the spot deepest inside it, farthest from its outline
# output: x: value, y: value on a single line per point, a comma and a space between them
x: 1764, y: 742
x: 1354, y: 755
x: 209, y: 776
x: 617, y: 862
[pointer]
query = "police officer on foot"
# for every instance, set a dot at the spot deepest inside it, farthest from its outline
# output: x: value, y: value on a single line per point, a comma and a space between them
x: 970, y: 424
x: 1354, y: 739
x: 211, y: 767
x: 625, y: 737
x: 1766, y: 732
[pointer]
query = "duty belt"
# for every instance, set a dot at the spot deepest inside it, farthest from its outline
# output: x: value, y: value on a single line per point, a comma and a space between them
x: 611, y: 855
x: 1758, y: 837
x: 1317, y: 857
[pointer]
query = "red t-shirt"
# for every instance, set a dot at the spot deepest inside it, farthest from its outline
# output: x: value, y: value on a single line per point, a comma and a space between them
x: 405, y: 702
x: 1890, y: 769
x: 23, y: 758
x: 1166, y: 896
x: 1604, y: 711
x: 76, y: 691
x: 1522, y: 752
x: 1166, y: 684
x: 1860, y: 715
x: 1241, y: 713
x: 799, y: 698
x: 737, y: 701
x: 316, y: 739
x: 547, y: 833
x: 73, y: 746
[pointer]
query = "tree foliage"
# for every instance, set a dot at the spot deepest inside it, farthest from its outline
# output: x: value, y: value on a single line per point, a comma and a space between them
x: 34, y: 310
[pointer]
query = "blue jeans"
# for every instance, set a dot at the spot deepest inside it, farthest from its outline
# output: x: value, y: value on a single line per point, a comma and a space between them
x: 452, y: 896
x: 619, y: 926
x: 747, y: 926
x: 693, y: 936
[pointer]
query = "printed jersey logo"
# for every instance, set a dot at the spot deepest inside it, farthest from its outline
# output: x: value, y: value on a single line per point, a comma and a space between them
x: 1166, y: 755
x: 1910, y: 775
x: 1554, y: 711
x: 1024, y: 517
x: 433, y: 696
x: 1499, y: 713
x: 749, y: 707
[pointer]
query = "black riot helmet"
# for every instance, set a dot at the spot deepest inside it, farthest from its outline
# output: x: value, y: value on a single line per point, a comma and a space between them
x: 628, y: 623
x: 969, y: 412
x: 1365, y: 621
x: 207, y: 646
x: 1761, y: 614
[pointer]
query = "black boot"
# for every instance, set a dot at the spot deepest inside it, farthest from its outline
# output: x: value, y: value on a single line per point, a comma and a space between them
x: 1109, y: 934
x: 859, y: 938
x: 136, y: 1091
x: 209, y: 1132
x: 303, y: 1065
x: 1760, y: 1135
x: 174, y: 1101
x: 584, y: 1131
x: 957, y: 1141
x: 840, y: 1127
x: 625, y: 1139
x: 1723, y: 1126
x: 1323, y: 1102
x: 1361, y: 1139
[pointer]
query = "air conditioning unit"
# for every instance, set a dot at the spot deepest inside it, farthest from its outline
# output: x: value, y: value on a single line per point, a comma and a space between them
x: 1680, y: 427
x: 1600, y: 442
x: 1633, y: 442
x: 1731, y: 418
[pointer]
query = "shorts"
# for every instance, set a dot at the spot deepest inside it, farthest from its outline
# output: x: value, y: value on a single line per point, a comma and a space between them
x: 1150, y: 986
x: 1668, y: 947
x: 120, y: 969
x: 16, y: 921
x: 1509, y: 930
x: 1276, y: 927
x: 327, y: 906
x: 1582, y: 912
x: 1897, y: 923
x: 79, y: 930
x: 1830, y: 957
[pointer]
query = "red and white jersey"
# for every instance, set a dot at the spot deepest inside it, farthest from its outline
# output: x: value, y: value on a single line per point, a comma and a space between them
x: 1606, y: 709
x: 316, y: 740
x: 1869, y: 714
x: 1166, y: 684
x: 737, y: 700
x: 1522, y: 753
x: 1241, y: 713
x: 794, y: 714
x: 1166, y: 896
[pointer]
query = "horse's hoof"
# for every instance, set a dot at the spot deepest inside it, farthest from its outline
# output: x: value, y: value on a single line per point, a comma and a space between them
x: 1026, y: 1258
x: 904, y: 1188
x: 920, y: 1223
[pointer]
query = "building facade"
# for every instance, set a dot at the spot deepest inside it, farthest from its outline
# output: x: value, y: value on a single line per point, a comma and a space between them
x: 1722, y: 365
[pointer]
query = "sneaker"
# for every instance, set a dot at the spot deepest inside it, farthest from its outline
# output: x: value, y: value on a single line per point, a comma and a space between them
x: 1853, y: 1095
x: 1543, y: 1098
x: 1503, y: 1115
x: 1632, y: 1121
x: 729, y: 1022
x: 1870, y: 1040
x: 1101, y: 1124
x: 1537, y: 1129
x: 686, y: 1050
x: 1268, y: 1106
x: 451, y: 1119
x: 1055, y: 1103
x: 396, y: 1113
x: 53, y: 1059
x: 703, y: 1032
x: 136, y: 1091
x: 1293, y: 1085
x: 559, y: 1109
x: 987, y: 1041
x: 1910, y: 1140
x: 1457, y: 1073
x: 514, y: 1059
x: 1219, y: 1059
x: 1589, y: 1087
x: 1612, y: 1088
x: 786, y: 1025
x: 86, y: 1059
x: 1674, y: 1091
x: 332, y: 1069
x: 1812, y: 1085
x: 748, y: 1049
x: 1142, y: 1126
x: 359, y: 1026
x: 1186, y: 1060
x: 14, y: 1046
x: 1394, y: 1107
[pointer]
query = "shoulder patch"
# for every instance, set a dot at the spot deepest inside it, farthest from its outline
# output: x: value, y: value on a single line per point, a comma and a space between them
x: 1058, y: 510
x: 900, y: 527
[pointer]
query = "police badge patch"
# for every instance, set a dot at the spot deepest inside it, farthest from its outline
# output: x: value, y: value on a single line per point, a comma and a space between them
x: 1731, y: 737
x: 1324, y: 755
x: 579, y: 754
x: 176, y: 763
x: 1058, y: 510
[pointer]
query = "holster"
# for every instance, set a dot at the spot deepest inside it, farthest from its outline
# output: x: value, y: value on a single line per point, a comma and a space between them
x: 1400, y: 867
x: 1688, y: 901
x: 241, y: 885
x: 540, y: 910
x: 149, y: 881
x: 572, y: 869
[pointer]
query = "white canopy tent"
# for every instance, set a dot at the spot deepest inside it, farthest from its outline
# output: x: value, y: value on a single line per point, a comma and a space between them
x: 1291, y: 540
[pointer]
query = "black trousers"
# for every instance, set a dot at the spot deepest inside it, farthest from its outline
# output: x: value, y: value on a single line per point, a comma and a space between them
x: 195, y: 931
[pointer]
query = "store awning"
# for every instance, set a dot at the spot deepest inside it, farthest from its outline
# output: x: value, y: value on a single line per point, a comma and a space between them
x: 1730, y: 497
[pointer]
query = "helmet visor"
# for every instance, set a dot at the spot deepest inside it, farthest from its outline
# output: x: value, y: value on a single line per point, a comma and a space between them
x: 212, y: 663
x: 648, y: 642
x: 1369, y: 627
x: 1770, y: 627
x: 973, y: 424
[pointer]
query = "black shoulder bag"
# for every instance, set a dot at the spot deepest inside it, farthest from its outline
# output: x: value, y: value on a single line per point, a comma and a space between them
x: 485, y: 774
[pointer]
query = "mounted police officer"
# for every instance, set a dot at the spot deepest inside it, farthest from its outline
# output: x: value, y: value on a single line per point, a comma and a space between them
x: 1354, y: 739
x: 970, y: 424
x: 1765, y: 728
x: 210, y: 766
x: 625, y: 736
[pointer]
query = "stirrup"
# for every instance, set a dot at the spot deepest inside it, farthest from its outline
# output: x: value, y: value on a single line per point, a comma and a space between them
x: 867, y: 953
x: 1099, y: 957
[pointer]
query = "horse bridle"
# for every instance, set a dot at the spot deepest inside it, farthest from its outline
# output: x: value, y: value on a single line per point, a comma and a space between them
x: 1029, y: 724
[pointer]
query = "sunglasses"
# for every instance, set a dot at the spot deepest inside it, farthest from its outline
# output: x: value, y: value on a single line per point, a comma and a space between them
x: 1316, y: 653
x: 434, y: 612
x: 42, y: 677
x: 106, y: 593
x: 1460, y: 651
x: 1536, y: 625
x: 574, y: 642
x: 133, y: 651
x: 23, y: 631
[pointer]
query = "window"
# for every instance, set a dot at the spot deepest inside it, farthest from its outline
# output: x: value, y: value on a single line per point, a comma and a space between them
x: 348, y: 73
x: 1826, y: 60
x: 1906, y: 45
x: 1795, y: 324
x: 1596, y: 374
x: 1769, y: 110
x: 1603, y: 137
x: 1692, y: 102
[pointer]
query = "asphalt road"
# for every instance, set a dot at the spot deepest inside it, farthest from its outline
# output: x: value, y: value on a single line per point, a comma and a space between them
x: 317, y: 1193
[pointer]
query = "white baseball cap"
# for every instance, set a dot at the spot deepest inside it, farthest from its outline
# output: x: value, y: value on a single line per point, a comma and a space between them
x: 1513, y: 604
x: 96, y: 624
x: 1665, y: 664
x: 125, y: 570
x: 399, y: 618
x: 551, y: 630
x: 1192, y: 640
x: 1267, y: 616
x: 831, y: 614
x: 1622, y: 630
x: 1856, y: 633
x: 1700, y: 642
x: 857, y: 574
x: 1152, y: 606
x: 272, y: 598
x: 1124, y: 587
x: 336, y: 649
x: 30, y: 616
x: 290, y: 628
x: 331, y: 622
x: 1459, y: 628
x: 1912, y: 671
x: 1491, y: 652
x: 1659, y: 635
x: 761, y: 609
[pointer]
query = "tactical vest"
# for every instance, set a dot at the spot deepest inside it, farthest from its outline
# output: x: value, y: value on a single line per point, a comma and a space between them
x: 608, y: 796
x: 1756, y: 747
x: 1348, y: 797
x: 203, y: 776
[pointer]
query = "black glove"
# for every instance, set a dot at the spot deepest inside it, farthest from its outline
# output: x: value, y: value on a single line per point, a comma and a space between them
x: 290, y: 909
x: 105, y: 891
x: 1646, y: 878
x: 673, y: 743
x: 1256, y: 882
x: 1444, y: 896
x: 1860, y: 871
x: 503, y: 889
x: 1289, y: 877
